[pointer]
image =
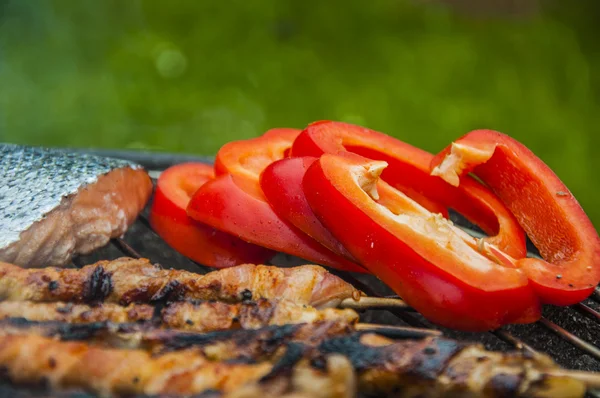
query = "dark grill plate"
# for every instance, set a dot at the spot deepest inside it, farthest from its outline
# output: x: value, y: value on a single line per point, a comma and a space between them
x: 570, y: 335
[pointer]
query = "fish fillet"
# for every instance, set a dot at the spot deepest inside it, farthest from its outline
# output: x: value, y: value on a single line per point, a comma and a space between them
x: 55, y: 204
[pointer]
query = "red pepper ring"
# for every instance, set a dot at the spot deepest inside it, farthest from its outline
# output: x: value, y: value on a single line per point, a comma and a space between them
x: 226, y: 206
x: 195, y: 240
x: 408, y: 171
x: 234, y: 202
x: 545, y: 208
x: 421, y: 256
x: 246, y: 159
x: 281, y: 183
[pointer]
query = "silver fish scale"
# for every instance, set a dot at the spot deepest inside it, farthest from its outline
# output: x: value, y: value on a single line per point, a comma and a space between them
x: 33, y: 181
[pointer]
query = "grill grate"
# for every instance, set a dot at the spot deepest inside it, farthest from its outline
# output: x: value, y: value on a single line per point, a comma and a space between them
x: 403, y: 312
x: 570, y: 335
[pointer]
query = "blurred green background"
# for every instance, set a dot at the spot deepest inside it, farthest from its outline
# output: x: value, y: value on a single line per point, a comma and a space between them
x: 188, y: 76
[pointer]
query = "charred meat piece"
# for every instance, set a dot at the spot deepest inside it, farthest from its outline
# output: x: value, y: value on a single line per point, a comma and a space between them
x: 432, y: 367
x: 441, y: 367
x: 76, y: 313
x: 55, y: 204
x: 126, y: 280
x: 204, y: 316
x: 335, y: 380
x: 240, y: 345
x: 31, y: 359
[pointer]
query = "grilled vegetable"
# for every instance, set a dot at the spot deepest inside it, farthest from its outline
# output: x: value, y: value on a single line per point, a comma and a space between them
x: 197, y: 241
x: 281, y: 183
x: 436, y: 268
x: 55, y: 204
x: 235, y: 203
x: 125, y: 281
x: 408, y: 171
x: 545, y: 208
x: 203, y: 316
x: 432, y: 367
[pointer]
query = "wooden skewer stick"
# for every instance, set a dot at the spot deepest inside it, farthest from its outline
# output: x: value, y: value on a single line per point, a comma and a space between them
x: 590, y: 379
x: 366, y: 303
x: 391, y: 331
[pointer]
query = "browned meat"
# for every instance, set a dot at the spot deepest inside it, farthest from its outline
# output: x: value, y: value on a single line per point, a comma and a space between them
x: 440, y: 367
x: 246, y: 345
x: 433, y: 367
x: 75, y: 313
x: 54, y: 205
x: 108, y: 372
x: 127, y: 280
x: 202, y: 316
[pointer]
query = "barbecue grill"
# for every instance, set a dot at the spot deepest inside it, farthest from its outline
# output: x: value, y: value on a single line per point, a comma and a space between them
x: 570, y: 335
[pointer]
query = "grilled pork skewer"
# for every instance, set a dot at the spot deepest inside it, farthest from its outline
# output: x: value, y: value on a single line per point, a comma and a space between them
x: 241, y: 345
x: 125, y: 281
x: 55, y: 204
x: 202, y: 316
x: 110, y: 372
x: 441, y: 367
x: 248, y: 391
x: 339, y: 381
x: 432, y: 367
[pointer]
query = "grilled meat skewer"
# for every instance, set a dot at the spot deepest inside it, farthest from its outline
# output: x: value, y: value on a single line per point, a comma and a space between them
x: 243, y: 345
x: 441, y: 367
x: 202, y: 316
x: 125, y: 281
x: 109, y: 372
x: 55, y: 204
x: 248, y: 391
x: 432, y: 367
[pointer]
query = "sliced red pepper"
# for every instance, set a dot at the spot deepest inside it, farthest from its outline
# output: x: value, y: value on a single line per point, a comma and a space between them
x: 545, y: 208
x: 408, y: 171
x: 246, y: 159
x: 432, y: 265
x: 195, y: 240
x: 234, y: 202
x: 281, y: 182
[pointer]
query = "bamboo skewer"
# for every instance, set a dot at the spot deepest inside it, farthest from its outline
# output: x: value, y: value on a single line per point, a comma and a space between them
x: 371, y: 303
x: 590, y: 379
x: 391, y: 331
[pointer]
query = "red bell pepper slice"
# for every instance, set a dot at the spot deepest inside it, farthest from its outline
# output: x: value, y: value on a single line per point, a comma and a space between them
x: 545, y: 208
x: 246, y: 159
x: 281, y: 182
x: 431, y: 264
x: 195, y: 240
x: 408, y: 171
x: 234, y: 202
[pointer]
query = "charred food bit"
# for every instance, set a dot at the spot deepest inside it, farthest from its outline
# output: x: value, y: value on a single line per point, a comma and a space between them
x: 202, y: 316
x: 240, y: 345
x: 432, y: 367
x: 126, y: 280
x: 441, y: 367
x: 55, y: 204
x: 31, y: 359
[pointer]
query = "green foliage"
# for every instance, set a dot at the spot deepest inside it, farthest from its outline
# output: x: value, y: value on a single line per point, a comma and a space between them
x: 191, y: 75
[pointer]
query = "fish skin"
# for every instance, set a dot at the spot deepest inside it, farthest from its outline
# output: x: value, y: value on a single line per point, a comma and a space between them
x: 34, y: 181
